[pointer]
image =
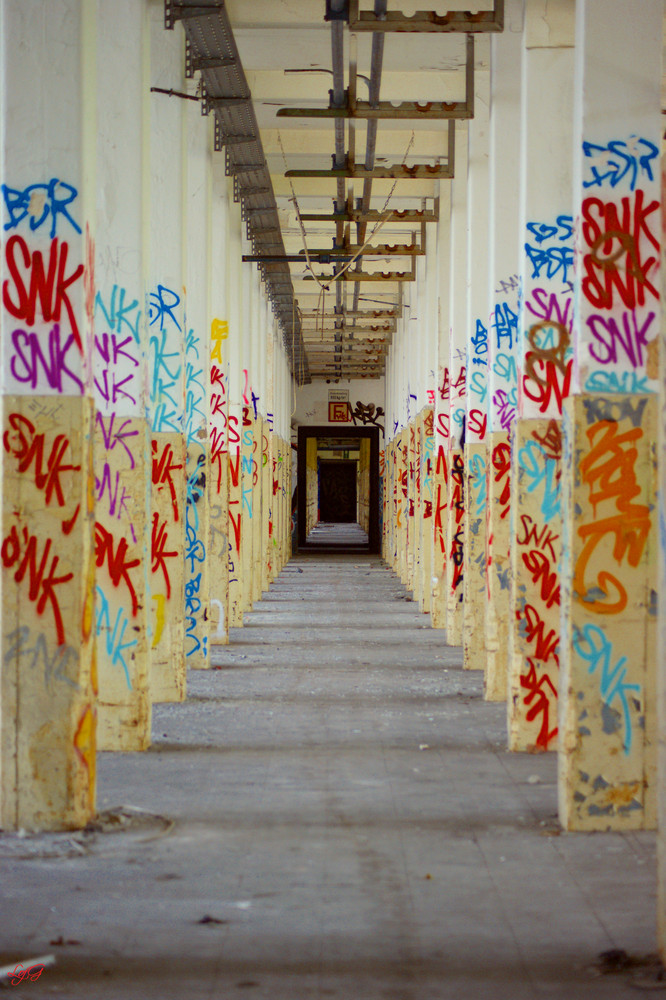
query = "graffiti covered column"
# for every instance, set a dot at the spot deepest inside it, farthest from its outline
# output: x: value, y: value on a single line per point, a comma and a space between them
x: 122, y: 446
x: 544, y: 375
x: 218, y: 568
x: 197, y: 386
x: 506, y: 51
x: 47, y: 699
x: 441, y: 416
x: 453, y: 390
x: 609, y: 607
x: 474, y: 628
x: 166, y: 364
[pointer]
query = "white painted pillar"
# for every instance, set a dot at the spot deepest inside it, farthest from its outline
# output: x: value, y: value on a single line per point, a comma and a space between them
x: 609, y: 608
x: 122, y: 435
x: 546, y: 260
x: 47, y: 168
x: 166, y: 343
x: 503, y: 253
x: 476, y: 503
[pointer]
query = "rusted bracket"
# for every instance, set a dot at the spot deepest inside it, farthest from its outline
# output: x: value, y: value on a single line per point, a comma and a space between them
x: 182, y: 11
x: 406, y: 110
x: 427, y: 20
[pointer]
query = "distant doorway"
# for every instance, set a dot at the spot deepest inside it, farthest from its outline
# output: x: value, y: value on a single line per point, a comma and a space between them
x: 338, y: 489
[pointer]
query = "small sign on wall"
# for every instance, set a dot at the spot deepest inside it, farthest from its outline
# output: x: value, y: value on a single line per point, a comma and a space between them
x: 338, y: 395
x: 338, y: 412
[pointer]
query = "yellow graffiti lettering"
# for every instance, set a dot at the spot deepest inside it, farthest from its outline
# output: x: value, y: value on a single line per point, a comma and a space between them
x: 219, y: 331
x: 160, y: 600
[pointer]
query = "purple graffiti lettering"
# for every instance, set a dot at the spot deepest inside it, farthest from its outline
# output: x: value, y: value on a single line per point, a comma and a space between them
x: 30, y: 359
x: 617, y: 340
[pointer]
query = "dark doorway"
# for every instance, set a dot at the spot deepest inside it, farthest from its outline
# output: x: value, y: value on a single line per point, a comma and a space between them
x: 321, y: 505
x: 337, y: 491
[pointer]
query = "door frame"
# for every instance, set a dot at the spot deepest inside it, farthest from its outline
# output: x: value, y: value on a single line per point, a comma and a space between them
x: 332, y: 430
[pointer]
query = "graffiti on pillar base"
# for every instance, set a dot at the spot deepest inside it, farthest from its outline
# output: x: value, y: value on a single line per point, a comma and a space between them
x: 457, y: 505
x: 538, y: 545
x: 615, y: 528
x: 594, y: 648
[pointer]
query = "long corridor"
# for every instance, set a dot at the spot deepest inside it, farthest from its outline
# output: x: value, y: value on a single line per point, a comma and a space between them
x: 331, y: 813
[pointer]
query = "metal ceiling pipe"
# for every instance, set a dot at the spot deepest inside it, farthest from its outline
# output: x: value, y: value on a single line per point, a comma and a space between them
x: 338, y: 63
x: 376, y: 63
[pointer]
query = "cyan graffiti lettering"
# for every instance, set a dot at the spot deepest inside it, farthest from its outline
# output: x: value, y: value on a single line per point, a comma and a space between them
x: 119, y: 314
x: 542, y: 473
x: 595, y: 649
x: 116, y: 649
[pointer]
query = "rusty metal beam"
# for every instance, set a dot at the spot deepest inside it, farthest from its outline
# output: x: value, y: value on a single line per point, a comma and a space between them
x: 428, y: 20
x: 355, y: 215
x: 362, y: 276
x: 398, y: 171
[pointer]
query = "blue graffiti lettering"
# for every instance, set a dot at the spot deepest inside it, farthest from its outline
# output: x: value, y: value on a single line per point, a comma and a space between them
x: 505, y: 325
x: 619, y: 159
x: 162, y: 304
x: 40, y: 201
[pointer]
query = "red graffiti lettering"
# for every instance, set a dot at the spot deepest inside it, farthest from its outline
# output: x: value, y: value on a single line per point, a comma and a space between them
x: 29, y: 448
x: 617, y: 237
x: 163, y: 467
x: 501, y: 460
x: 159, y: 553
x: 539, y: 699
x: 42, y: 584
x: 117, y: 564
x: 50, y: 286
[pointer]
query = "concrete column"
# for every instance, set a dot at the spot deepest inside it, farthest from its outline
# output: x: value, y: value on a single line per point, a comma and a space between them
x: 476, y: 425
x: 47, y: 166
x: 503, y: 246
x: 607, y: 760
x: 166, y: 340
x: 441, y: 416
x: 122, y: 434
x: 198, y: 141
x: 546, y: 259
x: 661, y: 644
x: 218, y: 539
x: 235, y: 418
x: 454, y: 388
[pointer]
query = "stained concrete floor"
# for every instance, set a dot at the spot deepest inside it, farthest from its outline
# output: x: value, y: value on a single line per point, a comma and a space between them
x: 332, y: 813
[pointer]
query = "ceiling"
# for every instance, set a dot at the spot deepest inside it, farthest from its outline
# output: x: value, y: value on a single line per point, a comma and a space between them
x: 288, y: 52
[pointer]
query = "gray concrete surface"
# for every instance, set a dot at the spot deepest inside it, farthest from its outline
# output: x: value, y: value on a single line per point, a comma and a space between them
x: 336, y: 804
